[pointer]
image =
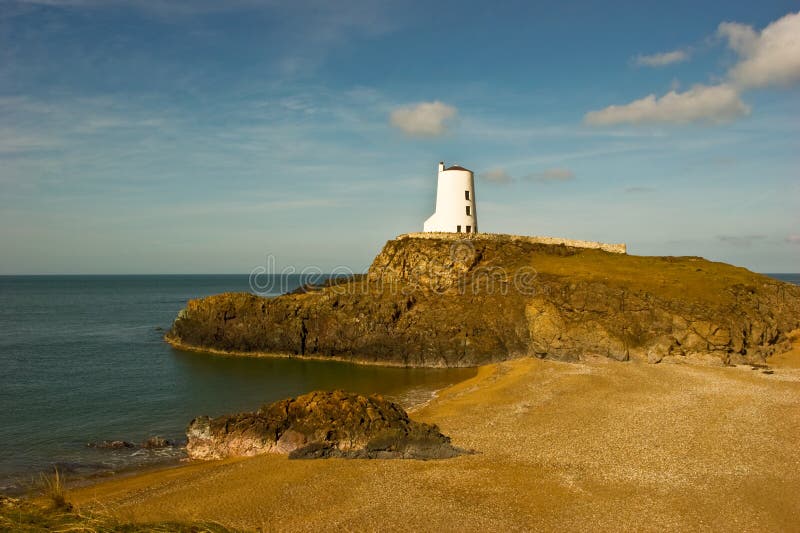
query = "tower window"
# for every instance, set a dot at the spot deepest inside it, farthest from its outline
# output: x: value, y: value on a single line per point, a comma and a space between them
x: 469, y: 229
x: 458, y: 229
x: 466, y: 195
x: 467, y: 210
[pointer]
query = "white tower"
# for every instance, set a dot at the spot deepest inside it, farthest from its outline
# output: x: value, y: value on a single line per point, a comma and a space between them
x: 455, y: 202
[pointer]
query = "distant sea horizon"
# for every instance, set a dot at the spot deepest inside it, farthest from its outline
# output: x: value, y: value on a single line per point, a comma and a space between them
x: 784, y: 276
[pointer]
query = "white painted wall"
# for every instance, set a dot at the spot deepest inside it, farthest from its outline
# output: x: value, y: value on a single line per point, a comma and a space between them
x: 452, y: 203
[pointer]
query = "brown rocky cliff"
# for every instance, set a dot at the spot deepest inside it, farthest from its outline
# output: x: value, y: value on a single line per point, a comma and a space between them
x: 444, y: 302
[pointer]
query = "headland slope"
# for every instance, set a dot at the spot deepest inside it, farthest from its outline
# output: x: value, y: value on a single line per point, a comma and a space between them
x: 442, y: 301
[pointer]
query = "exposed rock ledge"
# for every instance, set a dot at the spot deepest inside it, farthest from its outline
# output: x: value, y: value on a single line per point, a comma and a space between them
x: 619, y: 248
x: 430, y: 301
x: 319, y: 424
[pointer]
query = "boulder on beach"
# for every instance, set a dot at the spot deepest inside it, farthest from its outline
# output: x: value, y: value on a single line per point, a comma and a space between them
x: 318, y: 425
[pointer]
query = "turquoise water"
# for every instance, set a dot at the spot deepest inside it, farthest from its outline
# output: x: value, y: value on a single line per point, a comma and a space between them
x: 82, y: 359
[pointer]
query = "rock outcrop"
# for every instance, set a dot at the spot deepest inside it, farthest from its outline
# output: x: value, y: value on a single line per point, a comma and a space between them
x: 151, y: 443
x: 448, y: 302
x: 319, y: 424
x: 156, y: 443
x: 111, y: 444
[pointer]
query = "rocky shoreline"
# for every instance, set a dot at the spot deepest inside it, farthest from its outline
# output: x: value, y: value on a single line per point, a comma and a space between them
x: 558, y: 445
x: 164, y: 454
x: 316, y: 425
x: 179, y: 344
x: 448, y: 303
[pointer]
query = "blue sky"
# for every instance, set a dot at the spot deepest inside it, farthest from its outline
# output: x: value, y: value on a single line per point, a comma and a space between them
x: 155, y: 136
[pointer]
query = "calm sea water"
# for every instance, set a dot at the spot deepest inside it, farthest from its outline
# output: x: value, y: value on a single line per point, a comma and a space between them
x: 82, y: 360
x: 791, y: 278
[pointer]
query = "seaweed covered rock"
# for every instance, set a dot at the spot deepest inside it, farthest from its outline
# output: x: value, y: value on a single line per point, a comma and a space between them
x: 319, y: 424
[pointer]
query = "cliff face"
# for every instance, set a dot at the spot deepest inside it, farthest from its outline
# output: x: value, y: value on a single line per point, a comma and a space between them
x: 449, y: 302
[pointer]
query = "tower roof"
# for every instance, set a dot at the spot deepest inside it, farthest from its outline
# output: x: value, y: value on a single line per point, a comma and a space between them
x: 456, y: 167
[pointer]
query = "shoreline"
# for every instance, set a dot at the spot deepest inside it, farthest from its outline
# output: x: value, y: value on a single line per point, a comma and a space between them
x: 144, y: 476
x: 73, y: 481
x: 179, y: 345
x: 786, y: 360
x: 700, y: 358
x: 84, y: 481
x: 559, y: 444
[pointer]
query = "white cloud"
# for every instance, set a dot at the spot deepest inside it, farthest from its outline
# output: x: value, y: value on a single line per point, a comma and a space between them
x: 551, y: 175
x: 771, y: 57
x: 662, y: 59
x: 15, y: 142
x: 424, y: 119
x: 741, y: 37
x: 496, y: 175
x: 701, y: 103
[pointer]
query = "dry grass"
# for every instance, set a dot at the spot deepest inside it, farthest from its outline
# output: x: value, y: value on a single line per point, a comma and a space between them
x: 49, y: 510
x: 601, y: 444
x: 29, y: 516
x: 54, y: 491
x: 679, y: 278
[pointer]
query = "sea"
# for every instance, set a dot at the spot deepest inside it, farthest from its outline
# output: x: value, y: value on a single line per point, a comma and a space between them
x: 83, y: 360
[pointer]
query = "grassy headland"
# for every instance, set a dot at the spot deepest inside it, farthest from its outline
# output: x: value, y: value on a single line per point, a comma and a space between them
x: 447, y: 303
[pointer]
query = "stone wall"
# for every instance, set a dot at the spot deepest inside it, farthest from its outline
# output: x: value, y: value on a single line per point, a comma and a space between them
x: 500, y: 237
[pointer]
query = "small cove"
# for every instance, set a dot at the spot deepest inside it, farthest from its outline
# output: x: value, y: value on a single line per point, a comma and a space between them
x: 84, y: 361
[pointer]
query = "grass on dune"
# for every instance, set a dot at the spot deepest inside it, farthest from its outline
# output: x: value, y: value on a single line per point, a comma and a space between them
x: 50, y: 510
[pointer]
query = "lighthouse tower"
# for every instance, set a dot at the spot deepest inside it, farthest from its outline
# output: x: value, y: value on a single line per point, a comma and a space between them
x: 455, y: 202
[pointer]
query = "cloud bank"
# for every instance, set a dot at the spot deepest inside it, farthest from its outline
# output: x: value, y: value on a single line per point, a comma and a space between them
x: 496, y: 175
x: 501, y: 176
x: 551, y: 175
x: 742, y: 241
x: 424, y: 119
x: 766, y: 58
x: 662, y: 59
x: 771, y: 57
x: 701, y: 103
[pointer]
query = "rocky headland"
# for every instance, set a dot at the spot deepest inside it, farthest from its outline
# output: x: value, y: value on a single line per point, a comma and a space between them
x: 319, y: 424
x: 465, y: 300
